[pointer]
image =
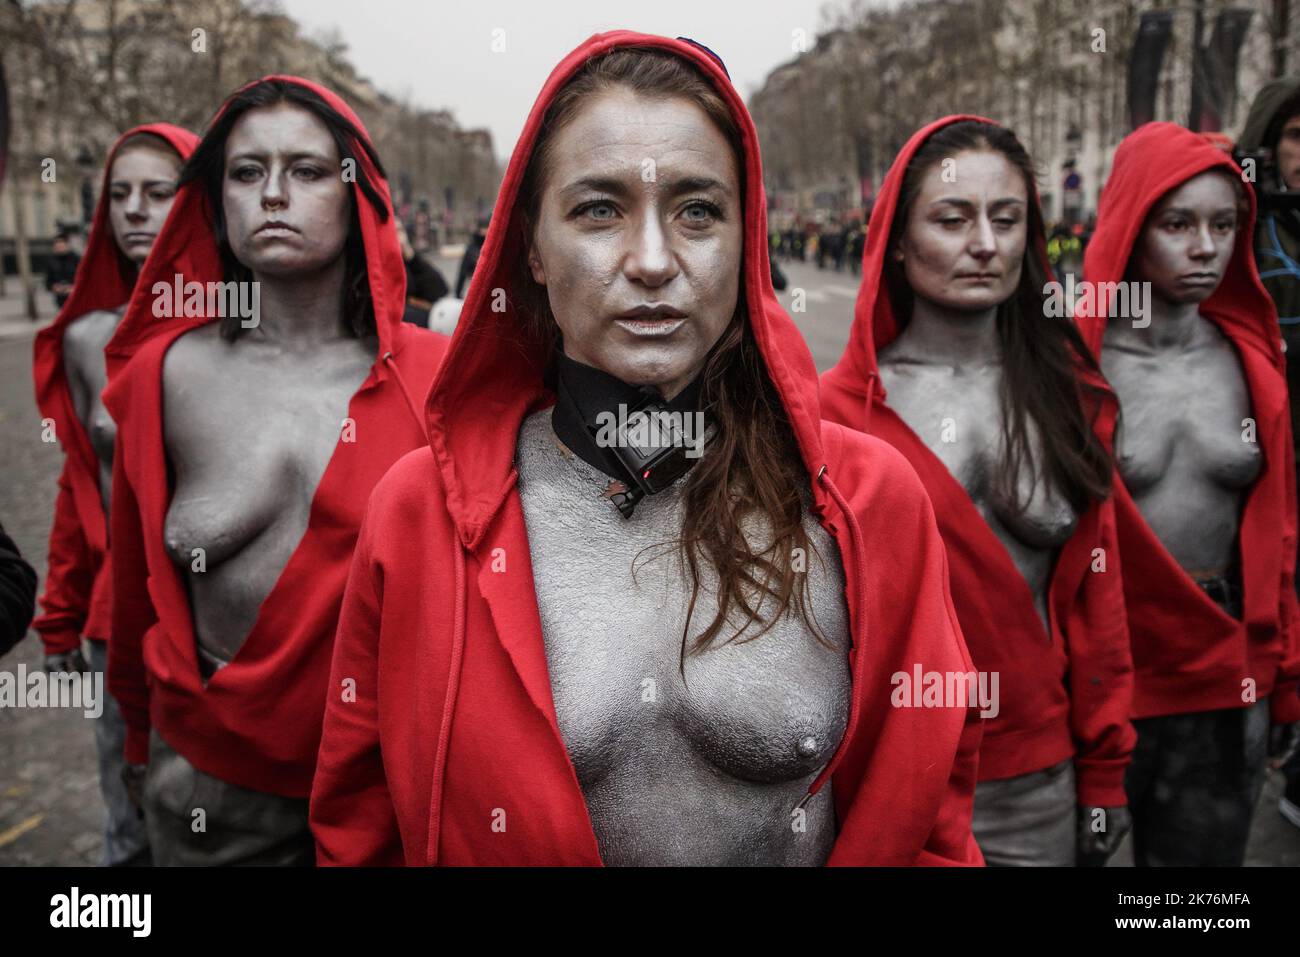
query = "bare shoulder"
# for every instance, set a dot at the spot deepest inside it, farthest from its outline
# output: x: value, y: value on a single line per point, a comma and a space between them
x: 194, y: 356
x: 88, y: 335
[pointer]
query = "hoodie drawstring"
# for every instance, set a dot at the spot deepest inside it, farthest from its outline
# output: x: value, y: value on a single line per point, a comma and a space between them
x: 873, y: 377
x: 860, y: 564
x: 448, y: 707
x: 406, y: 393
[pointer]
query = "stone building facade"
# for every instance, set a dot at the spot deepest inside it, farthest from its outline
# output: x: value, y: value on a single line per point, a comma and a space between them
x: 79, y: 73
x: 1056, y: 71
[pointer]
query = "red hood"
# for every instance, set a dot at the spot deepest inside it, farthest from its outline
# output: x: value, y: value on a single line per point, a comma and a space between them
x: 470, y: 663
x: 256, y: 724
x: 487, y: 379
x: 188, y: 246
x: 874, y: 323
x: 1152, y: 160
x: 104, y: 281
x: 1187, y: 655
x: 1064, y: 694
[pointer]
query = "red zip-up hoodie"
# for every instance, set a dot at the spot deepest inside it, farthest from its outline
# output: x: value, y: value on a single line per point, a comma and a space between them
x: 1064, y: 694
x: 257, y: 722
x: 440, y: 707
x: 77, y: 590
x: 1188, y: 655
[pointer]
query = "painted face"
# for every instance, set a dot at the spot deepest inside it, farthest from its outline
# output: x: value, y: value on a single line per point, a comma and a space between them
x: 1288, y: 153
x: 964, y: 244
x: 1187, y: 241
x: 639, y: 238
x: 286, y: 205
x: 141, y: 190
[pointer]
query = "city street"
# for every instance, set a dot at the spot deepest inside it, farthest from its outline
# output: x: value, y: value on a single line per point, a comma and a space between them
x: 49, y: 799
x: 50, y: 808
x: 828, y: 307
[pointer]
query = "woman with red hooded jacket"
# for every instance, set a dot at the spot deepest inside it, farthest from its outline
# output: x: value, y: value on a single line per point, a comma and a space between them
x: 262, y: 382
x: 958, y: 360
x: 636, y: 604
x: 139, y: 187
x: 1206, y: 507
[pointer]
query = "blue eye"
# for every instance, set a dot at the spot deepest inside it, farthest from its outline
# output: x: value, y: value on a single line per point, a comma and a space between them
x: 600, y: 211
x: 701, y: 213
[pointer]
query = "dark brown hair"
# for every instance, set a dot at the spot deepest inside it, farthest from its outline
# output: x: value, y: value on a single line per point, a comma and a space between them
x: 1042, y: 356
x: 752, y: 468
x: 207, y: 165
x: 143, y: 139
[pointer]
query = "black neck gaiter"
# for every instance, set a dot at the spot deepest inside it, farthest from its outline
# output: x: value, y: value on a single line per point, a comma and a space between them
x: 630, y: 433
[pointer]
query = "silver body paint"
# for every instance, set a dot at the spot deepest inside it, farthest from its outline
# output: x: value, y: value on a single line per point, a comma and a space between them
x: 951, y: 402
x: 1180, y: 447
x: 249, y: 429
x: 706, y: 770
x: 83, y: 359
x: 940, y: 400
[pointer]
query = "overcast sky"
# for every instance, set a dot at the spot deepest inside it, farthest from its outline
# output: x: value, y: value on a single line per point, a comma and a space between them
x: 439, y: 52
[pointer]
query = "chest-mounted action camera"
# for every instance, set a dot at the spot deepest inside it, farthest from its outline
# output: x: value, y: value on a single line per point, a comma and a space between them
x: 633, y: 435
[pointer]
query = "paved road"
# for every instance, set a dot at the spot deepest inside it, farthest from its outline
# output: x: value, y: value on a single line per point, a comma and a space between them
x: 827, y: 314
x: 49, y: 798
x: 50, y: 808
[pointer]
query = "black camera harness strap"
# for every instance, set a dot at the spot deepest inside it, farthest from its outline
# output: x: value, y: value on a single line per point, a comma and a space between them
x: 583, y: 393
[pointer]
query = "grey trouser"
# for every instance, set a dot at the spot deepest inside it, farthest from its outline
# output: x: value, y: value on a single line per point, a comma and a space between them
x: 125, y: 842
x: 1029, y: 820
x: 195, y: 819
x: 1193, y: 786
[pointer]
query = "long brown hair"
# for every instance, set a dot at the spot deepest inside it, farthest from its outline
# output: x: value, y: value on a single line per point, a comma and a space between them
x: 752, y: 468
x: 1042, y: 356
